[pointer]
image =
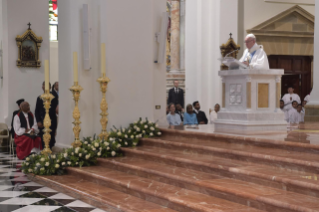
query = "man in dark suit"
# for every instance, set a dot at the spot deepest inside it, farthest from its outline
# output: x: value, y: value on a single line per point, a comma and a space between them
x: 40, y: 113
x: 201, y: 116
x: 176, y: 95
x: 14, y: 114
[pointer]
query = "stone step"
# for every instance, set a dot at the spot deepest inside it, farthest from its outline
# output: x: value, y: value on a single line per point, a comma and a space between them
x: 98, y: 195
x: 215, y: 185
x: 269, y: 140
x: 273, y: 157
x: 173, y: 197
x: 286, y: 179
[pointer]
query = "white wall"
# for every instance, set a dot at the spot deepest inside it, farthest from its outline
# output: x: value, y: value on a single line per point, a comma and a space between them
x: 135, y: 81
x: 54, y: 61
x: 207, y: 26
x: 22, y: 82
x: 315, y: 90
x: 254, y: 12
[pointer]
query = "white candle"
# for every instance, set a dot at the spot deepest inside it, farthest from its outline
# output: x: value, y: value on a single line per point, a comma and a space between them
x: 103, y: 59
x: 75, y: 66
x: 46, y: 75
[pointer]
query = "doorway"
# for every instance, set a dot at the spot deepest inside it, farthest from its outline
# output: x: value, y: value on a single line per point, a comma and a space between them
x: 297, y: 73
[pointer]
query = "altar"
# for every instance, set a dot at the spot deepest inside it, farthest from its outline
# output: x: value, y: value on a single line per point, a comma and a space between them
x: 250, y: 101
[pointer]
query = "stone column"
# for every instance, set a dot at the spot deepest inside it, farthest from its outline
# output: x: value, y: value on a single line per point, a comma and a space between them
x: 182, y: 35
x: 248, y: 92
x: 278, y: 92
x: 312, y: 108
x: 175, y: 34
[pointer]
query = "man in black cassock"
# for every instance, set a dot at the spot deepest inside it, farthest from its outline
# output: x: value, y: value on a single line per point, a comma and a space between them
x: 201, y: 116
x: 40, y: 114
x: 176, y: 95
x: 14, y: 114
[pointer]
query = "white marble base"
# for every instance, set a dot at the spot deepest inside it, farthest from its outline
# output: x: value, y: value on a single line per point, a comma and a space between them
x: 241, y: 112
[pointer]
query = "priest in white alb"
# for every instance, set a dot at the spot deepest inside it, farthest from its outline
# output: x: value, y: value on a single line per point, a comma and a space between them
x: 254, y: 56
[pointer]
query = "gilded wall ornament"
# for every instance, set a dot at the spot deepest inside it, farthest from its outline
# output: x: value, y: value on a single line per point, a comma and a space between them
x: 29, y: 49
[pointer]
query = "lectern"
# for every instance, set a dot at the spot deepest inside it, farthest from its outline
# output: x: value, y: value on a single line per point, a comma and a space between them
x: 250, y: 101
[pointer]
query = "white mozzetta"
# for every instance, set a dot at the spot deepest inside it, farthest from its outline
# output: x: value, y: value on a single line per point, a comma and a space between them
x: 237, y: 115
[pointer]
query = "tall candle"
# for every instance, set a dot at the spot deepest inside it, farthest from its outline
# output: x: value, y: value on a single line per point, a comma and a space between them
x: 75, y: 66
x: 103, y: 59
x: 46, y: 75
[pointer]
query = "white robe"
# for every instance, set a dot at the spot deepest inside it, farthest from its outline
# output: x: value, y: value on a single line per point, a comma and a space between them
x: 213, y: 117
x: 20, y: 130
x: 307, y: 98
x: 259, y: 60
x: 302, y: 115
x: 294, y: 116
x: 288, y: 102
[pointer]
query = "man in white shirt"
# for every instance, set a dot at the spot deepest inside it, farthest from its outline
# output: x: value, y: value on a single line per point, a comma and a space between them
x: 213, y: 114
x: 303, y: 111
x: 25, y: 128
x: 289, y: 98
x: 254, y: 56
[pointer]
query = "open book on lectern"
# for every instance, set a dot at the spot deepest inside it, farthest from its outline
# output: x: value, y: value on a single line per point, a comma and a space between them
x: 232, y: 63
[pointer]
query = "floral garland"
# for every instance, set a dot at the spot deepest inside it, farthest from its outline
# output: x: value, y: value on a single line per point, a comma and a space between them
x: 91, y: 149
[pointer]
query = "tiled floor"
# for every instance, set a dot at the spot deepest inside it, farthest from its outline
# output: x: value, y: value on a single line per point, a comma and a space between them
x: 19, y: 194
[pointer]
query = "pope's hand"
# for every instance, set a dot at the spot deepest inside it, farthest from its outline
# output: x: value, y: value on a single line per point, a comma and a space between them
x: 246, y: 63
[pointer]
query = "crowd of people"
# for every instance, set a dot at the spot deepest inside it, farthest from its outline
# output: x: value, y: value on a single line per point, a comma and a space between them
x: 290, y: 104
x: 27, y: 128
x: 293, y: 107
x: 176, y: 116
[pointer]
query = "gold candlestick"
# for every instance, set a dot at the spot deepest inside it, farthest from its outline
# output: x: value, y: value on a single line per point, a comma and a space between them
x: 76, y: 90
x: 47, y: 98
x: 104, y: 120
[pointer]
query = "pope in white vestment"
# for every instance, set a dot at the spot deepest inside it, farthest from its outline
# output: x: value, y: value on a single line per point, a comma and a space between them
x: 254, y: 56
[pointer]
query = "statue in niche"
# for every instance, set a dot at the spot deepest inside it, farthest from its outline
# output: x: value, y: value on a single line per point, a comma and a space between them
x: 29, y: 47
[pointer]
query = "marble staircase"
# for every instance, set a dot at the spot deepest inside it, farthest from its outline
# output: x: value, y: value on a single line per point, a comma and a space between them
x: 190, y: 171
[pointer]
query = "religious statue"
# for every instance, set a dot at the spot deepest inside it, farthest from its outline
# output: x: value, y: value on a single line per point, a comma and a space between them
x: 254, y: 56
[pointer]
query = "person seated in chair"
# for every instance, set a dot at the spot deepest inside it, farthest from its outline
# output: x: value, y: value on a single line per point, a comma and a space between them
x: 180, y: 111
x: 173, y: 118
x: 190, y: 117
x: 25, y: 128
x: 201, y: 116
x: 14, y: 114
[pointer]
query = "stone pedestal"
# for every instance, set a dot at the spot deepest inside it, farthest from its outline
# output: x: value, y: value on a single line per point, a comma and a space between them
x: 250, y: 101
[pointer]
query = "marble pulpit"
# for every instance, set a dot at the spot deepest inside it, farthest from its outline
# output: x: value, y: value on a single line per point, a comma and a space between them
x: 250, y: 101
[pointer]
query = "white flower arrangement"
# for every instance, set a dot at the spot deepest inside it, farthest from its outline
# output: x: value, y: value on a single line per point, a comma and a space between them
x: 125, y: 136
x: 151, y: 134
x: 159, y: 133
x: 119, y: 133
x: 30, y: 170
x: 69, y: 163
x: 87, y: 156
x: 108, y: 148
x: 27, y: 164
x: 113, y: 153
x: 126, y: 143
x: 152, y: 128
x: 99, y: 154
x: 38, y: 164
x: 132, y: 136
x: 106, y: 143
x: 72, y: 153
x: 65, y: 155
x: 27, y: 159
x: 42, y: 169
x: 63, y: 163
x: 42, y: 159
x: 96, y: 145
x: 53, y: 156
x: 145, y: 126
x: 57, y: 166
x: 80, y: 155
x: 47, y: 164
x: 58, y: 161
x: 119, y: 145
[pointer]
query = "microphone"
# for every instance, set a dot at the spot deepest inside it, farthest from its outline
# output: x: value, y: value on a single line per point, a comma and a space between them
x: 231, y: 52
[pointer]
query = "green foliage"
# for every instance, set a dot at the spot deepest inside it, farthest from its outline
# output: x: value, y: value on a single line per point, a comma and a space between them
x: 91, y: 149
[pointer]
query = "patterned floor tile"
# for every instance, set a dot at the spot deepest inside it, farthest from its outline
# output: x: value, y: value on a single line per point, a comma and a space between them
x: 20, y: 201
x: 10, y: 208
x: 50, y: 202
x: 36, y: 208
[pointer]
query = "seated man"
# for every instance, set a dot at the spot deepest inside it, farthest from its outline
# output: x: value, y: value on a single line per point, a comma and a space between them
x: 14, y: 114
x: 180, y: 111
x: 190, y: 117
x: 201, y: 116
x: 213, y: 114
x: 294, y: 116
x: 25, y: 128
